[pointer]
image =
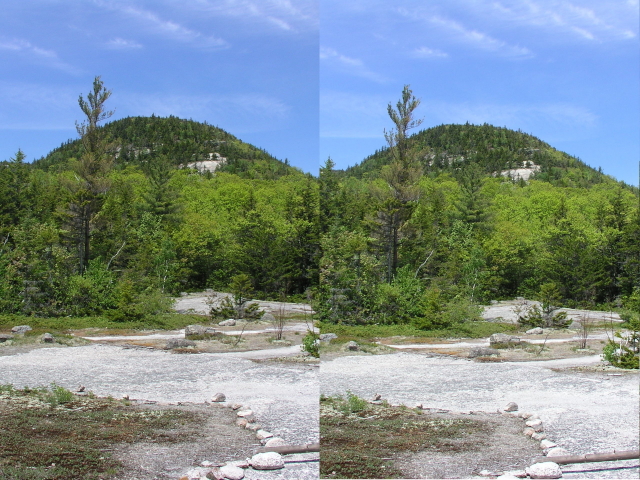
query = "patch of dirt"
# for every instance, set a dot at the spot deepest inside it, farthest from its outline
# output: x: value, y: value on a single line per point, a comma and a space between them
x: 216, y: 439
x: 499, y: 447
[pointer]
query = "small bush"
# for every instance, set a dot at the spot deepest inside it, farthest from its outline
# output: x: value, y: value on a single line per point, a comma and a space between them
x: 310, y: 344
x: 620, y: 356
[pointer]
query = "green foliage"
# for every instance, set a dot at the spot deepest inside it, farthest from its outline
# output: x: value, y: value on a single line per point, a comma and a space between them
x: 237, y: 305
x: 620, y: 356
x: 310, y: 344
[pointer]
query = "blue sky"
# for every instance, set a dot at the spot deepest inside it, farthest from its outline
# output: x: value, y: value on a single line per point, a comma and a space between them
x: 249, y: 67
x: 564, y: 71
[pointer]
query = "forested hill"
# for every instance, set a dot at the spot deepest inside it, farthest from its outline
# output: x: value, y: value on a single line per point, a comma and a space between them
x: 493, y: 149
x: 136, y: 140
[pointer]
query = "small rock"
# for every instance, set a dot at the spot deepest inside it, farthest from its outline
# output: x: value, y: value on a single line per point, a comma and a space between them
x: 535, y: 331
x: 528, y: 431
x: 4, y: 337
x: 419, y: 406
x: 486, y: 473
x: 244, y: 413
x: 327, y: 337
x: 47, y: 338
x: 228, y: 323
x: 483, y: 352
x: 539, y: 436
x: 207, y: 463
x: 267, y: 461
x: 533, y: 423
x: 80, y: 389
x: 219, y: 397
x: 544, y: 470
x: 21, y: 329
x: 197, y: 473
x: 352, y: 346
x: 179, y: 343
x: 516, y: 473
x: 511, y: 407
x: 275, y: 442
x: 547, y: 444
x: 232, y: 473
x: 263, y: 434
x: 241, y: 422
x: 236, y: 406
x: 194, y: 330
x: 503, y: 338
x: 239, y: 463
x: 507, y: 476
x: 377, y: 396
x: 525, y: 415
x: 254, y: 427
x: 267, y: 317
x: 557, y: 452
x: 250, y: 418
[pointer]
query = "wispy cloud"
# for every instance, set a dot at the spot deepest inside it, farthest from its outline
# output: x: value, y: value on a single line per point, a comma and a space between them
x: 477, y: 38
x: 590, y: 20
x: 349, y: 65
x: 34, y: 53
x: 122, y: 44
x: 426, y: 52
x: 167, y: 28
x: 286, y: 15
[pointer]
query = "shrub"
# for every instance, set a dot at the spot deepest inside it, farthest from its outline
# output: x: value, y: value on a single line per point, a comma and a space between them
x: 310, y: 344
x: 620, y: 356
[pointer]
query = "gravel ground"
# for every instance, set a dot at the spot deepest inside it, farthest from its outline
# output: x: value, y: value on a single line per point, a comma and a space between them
x: 583, y: 412
x: 283, y: 396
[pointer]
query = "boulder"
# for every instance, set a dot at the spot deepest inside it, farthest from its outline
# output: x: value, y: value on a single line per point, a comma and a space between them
x: 219, y: 397
x: 557, y: 452
x: 352, y: 346
x: 267, y: 461
x: 544, y: 470
x: 228, y: 323
x: 21, y: 329
x: 327, y: 337
x: 267, y: 317
x: 254, y: 427
x: 179, y: 343
x: 231, y: 472
x: 47, y: 338
x: 503, y: 339
x: 547, y: 444
x: 244, y: 413
x: 263, y: 434
x: 275, y: 442
x: 483, y: 352
x: 4, y: 337
x: 511, y: 407
x: 539, y: 436
x: 194, y: 330
x: 535, y: 331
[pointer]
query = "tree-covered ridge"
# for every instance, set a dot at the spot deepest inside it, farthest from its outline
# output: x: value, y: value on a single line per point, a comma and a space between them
x: 451, y: 148
x: 138, y: 140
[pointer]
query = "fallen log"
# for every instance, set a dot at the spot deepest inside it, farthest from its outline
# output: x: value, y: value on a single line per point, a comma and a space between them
x: 310, y: 447
x: 591, y: 457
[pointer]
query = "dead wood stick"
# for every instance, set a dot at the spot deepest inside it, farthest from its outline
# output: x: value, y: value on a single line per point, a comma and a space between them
x: 310, y: 447
x: 592, y: 457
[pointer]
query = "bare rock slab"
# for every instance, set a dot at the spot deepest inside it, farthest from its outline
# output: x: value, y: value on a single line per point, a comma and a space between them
x: 21, y: 329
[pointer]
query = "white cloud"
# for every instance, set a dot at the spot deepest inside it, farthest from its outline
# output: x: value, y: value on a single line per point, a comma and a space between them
x: 290, y: 16
x: 167, y: 28
x: 590, y: 20
x: 349, y: 65
x: 46, y: 57
x: 122, y: 44
x: 426, y: 52
x: 478, y: 39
